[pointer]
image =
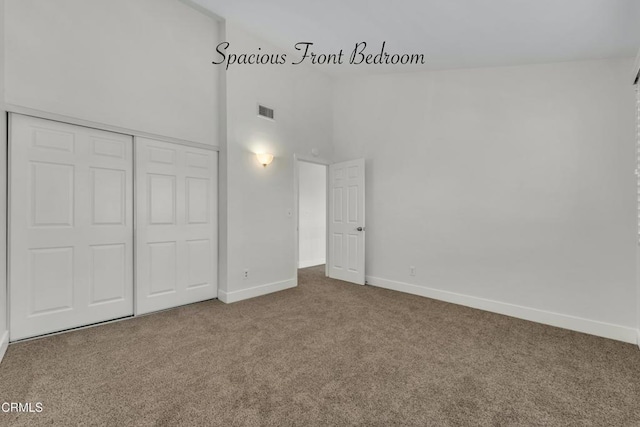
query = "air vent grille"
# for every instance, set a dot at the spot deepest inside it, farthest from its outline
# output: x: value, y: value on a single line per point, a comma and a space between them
x: 266, y: 112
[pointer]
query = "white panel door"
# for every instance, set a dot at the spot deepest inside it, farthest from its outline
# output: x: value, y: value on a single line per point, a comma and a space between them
x: 71, y: 226
x: 176, y: 225
x: 346, y: 221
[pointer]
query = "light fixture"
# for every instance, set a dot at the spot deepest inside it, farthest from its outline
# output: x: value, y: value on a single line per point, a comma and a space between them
x: 264, y: 158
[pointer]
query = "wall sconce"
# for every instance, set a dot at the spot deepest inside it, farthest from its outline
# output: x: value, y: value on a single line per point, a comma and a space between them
x: 264, y: 158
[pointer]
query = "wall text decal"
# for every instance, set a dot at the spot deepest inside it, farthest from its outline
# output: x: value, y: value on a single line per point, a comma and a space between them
x: 360, y: 55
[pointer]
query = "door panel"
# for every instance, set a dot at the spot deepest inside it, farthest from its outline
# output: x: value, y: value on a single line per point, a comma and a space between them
x: 176, y: 225
x: 162, y: 268
x: 108, y: 273
x: 50, y: 280
x: 162, y: 199
x: 108, y: 196
x: 71, y: 226
x: 52, y: 194
x: 347, y: 222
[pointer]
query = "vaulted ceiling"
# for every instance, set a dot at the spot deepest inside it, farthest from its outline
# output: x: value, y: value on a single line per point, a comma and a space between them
x: 450, y: 33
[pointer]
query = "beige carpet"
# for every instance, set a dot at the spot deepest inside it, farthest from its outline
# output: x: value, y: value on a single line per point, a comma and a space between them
x: 324, y: 353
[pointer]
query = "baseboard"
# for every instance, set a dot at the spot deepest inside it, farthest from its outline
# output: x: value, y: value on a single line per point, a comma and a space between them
x: 638, y: 341
x: 592, y: 327
x: 4, y: 343
x: 256, y: 291
x: 311, y: 263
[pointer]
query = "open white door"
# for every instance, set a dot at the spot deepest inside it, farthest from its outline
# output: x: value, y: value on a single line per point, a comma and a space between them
x: 346, y: 221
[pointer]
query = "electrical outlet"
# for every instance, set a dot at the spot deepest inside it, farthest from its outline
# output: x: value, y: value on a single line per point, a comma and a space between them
x: 245, y: 274
x: 412, y: 271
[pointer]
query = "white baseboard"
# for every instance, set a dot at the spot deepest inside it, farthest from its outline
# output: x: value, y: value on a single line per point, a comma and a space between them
x: 593, y: 327
x: 311, y: 263
x: 256, y: 291
x: 4, y: 343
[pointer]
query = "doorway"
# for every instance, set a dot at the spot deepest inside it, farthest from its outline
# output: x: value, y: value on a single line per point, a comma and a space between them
x: 329, y: 201
x: 312, y: 215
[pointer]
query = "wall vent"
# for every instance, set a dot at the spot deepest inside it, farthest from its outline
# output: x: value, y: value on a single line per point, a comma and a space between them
x: 266, y: 112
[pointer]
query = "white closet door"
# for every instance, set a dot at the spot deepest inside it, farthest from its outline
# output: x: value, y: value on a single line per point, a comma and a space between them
x: 71, y: 226
x: 176, y: 225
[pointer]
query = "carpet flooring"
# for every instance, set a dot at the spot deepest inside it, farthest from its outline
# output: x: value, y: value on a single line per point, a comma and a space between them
x: 324, y: 353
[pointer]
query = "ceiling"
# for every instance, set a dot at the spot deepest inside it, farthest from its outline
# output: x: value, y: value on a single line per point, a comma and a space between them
x: 450, y: 33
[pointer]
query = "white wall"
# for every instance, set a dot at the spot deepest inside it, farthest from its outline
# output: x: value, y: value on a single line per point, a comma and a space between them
x: 637, y: 89
x: 503, y: 186
x: 312, y: 212
x: 260, y: 201
x: 4, y: 335
x: 143, y: 65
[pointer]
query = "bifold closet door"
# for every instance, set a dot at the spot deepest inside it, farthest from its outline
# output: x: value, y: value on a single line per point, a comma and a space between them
x: 176, y: 225
x: 71, y: 226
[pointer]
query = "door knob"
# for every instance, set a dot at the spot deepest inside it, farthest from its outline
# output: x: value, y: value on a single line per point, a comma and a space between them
x: 360, y: 229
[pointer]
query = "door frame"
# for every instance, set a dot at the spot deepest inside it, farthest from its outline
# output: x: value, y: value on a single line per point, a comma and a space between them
x: 297, y: 158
